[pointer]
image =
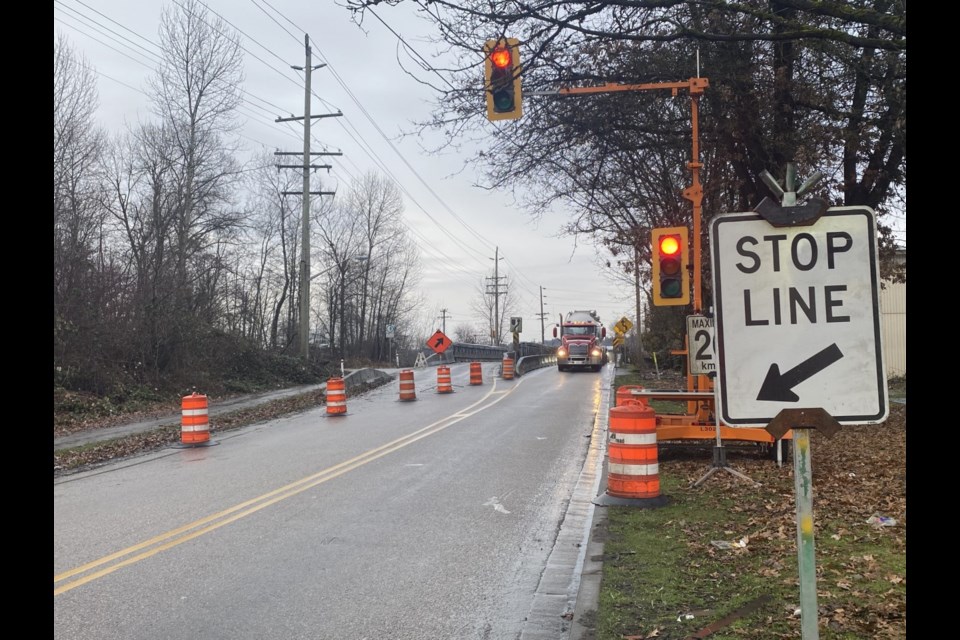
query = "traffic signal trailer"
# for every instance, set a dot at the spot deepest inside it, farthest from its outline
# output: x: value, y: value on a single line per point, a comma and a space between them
x: 699, y: 422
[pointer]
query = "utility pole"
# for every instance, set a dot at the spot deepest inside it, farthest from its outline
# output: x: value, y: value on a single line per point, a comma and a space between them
x: 305, y: 194
x: 639, y: 328
x: 543, y: 335
x: 496, y: 293
x: 443, y: 319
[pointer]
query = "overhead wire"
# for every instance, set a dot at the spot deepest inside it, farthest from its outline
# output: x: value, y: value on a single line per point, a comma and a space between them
x: 377, y: 160
x: 155, y: 57
x: 425, y: 244
x: 427, y: 66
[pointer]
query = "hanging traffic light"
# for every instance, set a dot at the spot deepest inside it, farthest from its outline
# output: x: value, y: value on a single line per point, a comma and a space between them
x: 501, y: 69
x: 671, y: 275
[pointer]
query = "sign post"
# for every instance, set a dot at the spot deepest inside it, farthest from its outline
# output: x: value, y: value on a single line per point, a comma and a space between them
x: 798, y: 317
x: 801, y: 421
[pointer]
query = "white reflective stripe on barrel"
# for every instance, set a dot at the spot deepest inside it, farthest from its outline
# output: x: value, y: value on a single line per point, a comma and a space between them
x: 194, y: 412
x: 633, y: 438
x: 634, y: 469
x: 195, y: 427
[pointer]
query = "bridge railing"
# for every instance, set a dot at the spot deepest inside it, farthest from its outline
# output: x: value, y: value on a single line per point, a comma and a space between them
x: 527, y: 364
x: 466, y: 352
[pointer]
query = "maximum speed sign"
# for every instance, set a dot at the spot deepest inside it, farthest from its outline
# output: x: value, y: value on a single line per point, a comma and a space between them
x: 701, y: 359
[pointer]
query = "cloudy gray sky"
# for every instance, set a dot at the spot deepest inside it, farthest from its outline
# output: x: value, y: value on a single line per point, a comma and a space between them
x: 456, y: 226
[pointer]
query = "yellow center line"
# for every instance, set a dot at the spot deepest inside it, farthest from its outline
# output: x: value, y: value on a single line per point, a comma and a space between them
x: 214, y: 521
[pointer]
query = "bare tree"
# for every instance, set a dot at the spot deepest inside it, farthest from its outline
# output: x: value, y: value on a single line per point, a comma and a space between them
x: 341, y: 241
x: 378, y: 206
x: 394, y: 297
x: 820, y: 84
x: 195, y: 93
x: 467, y: 333
x: 140, y: 204
x: 273, y: 227
x: 79, y: 256
x: 370, y: 269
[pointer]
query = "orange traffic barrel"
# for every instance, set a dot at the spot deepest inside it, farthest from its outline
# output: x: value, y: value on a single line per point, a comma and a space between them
x: 407, y: 389
x: 443, y: 380
x: 507, y: 368
x: 336, y: 397
x: 194, y: 422
x: 633, y: 474
x: 625, y: 395
x: 476, y: 374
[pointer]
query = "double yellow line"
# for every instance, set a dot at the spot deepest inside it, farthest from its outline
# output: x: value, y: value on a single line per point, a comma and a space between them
x: 90, y: 572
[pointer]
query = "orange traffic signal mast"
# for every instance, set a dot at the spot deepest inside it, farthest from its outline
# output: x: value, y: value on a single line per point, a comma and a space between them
x: 693, y: 193
x: 701, y: 421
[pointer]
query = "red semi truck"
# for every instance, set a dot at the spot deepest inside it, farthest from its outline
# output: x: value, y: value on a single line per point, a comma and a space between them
x: 581, y: 335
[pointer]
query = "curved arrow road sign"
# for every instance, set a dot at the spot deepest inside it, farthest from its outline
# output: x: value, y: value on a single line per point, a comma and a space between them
x: 439, y: 342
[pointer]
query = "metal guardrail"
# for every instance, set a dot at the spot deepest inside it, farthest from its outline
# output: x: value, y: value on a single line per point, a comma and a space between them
x: 463, y: 352
x: 529, y: 363
x: 466, y: 352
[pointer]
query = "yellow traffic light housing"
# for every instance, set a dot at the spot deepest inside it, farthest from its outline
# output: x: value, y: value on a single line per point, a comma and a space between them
x: 501, y: 70
x: 670, y: 260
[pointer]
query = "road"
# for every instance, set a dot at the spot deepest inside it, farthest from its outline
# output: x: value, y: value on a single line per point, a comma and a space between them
x: 461, y: 515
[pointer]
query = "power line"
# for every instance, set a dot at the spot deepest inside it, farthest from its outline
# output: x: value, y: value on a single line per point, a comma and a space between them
x: 428, y: 246
x: 295, y: 38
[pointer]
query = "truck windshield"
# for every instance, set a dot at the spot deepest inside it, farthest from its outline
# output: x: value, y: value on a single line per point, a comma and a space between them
x: 581, y: 331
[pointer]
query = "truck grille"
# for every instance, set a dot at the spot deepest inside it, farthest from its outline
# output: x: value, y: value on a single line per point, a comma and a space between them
x: 578, y: 349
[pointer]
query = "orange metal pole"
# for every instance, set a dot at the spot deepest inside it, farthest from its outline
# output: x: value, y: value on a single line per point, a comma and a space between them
x: 693, y: 193
x: 612, y: 86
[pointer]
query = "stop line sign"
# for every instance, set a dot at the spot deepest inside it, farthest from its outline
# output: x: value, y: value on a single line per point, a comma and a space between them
x: 798, y: 317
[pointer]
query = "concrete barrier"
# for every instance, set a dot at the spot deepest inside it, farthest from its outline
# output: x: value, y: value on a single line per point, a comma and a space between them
x: 366, y: 377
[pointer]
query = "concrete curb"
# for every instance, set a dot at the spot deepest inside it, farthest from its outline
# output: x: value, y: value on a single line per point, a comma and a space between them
x: 567, y: 597
x: 583, y: 625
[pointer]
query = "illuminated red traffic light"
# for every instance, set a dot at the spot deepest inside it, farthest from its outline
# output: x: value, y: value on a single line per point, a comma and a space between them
x: 501, y: 57
x: 671, y: 278
x: 669, y: 245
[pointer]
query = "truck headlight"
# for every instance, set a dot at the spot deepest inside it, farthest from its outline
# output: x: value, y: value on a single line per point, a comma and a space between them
x: 561, y: 352
x: 595, y: 351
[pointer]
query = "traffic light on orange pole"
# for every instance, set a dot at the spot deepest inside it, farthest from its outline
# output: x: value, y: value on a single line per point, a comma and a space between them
x: 501, y: 69
x: 671, y: 273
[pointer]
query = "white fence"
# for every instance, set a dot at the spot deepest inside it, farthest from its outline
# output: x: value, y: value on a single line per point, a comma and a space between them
x: 893, y: 325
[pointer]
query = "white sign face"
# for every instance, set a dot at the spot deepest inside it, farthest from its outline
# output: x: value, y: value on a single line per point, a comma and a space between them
x: 798, y: 317
x: 391, y: 330
x: 701, y: 358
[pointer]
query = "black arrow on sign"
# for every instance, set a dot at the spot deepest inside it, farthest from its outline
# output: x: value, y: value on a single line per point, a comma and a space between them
x: 777, y: 387
x: 439, y: 343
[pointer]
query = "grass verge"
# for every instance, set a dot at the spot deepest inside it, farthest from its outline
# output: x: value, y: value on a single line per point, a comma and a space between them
x: 720, y: 559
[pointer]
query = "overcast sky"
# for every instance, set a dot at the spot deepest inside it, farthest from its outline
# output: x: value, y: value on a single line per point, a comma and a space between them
x: 456, y: 226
